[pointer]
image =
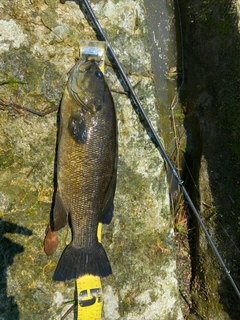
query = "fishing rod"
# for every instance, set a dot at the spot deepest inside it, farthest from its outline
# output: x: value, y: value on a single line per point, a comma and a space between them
x: 152, y: 134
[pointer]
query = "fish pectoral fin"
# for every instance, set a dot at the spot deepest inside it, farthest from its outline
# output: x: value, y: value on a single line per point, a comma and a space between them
x: 59, y: 214
x: 77, y: 127
x: 50, y: 241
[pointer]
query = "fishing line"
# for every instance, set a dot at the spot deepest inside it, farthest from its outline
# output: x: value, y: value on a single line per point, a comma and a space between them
x: 153, y: 136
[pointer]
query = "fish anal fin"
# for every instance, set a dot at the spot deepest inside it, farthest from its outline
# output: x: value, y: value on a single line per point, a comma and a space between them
x: 107, y: 213
x: 59, y: 214
x: 108, y: 208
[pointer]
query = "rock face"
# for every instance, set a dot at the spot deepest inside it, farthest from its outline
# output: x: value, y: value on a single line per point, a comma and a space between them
x: 39, y: 44
x: 211, y: 99
x: 206, y: 118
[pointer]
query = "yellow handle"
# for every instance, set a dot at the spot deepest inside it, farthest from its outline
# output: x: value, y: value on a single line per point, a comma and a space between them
x: 89, y: 292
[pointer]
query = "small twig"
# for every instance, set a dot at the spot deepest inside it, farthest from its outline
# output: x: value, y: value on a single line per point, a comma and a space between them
x: 231, y: 198
x: 125, y: 92
x: 206, y: 205
x: 119, y: 91
x: 177, y: 142
x: 18, y: 106
x: 69, y: 311
x: 148, y: 75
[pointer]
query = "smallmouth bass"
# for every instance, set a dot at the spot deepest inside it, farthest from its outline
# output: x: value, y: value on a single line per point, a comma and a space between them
x: 86, y: 171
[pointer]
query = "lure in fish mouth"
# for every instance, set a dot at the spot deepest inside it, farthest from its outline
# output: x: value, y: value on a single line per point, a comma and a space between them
x: 86, y: 171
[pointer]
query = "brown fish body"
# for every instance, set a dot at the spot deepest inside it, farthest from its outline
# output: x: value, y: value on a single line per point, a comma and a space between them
x: 86, y: 171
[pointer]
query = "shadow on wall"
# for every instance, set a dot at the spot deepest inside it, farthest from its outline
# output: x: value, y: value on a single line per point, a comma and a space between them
x: 8, y: 249
x: 212, y: 115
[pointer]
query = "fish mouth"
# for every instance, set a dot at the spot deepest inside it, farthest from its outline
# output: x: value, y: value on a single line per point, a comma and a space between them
x: 98, y: 62
x: 85, y: 66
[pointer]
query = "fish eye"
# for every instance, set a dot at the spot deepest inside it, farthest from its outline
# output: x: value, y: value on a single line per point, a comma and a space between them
x: 99, y: 74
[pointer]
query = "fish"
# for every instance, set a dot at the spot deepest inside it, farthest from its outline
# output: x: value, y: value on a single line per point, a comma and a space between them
x: 87, y: 152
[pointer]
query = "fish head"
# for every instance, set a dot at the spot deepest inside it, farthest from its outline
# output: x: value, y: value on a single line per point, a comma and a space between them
x: 87, y: 85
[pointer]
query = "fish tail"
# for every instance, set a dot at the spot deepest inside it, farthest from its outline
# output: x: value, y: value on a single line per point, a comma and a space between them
x: 76, y: 262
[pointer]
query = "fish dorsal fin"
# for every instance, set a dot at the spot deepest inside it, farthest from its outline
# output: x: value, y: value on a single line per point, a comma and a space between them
x: 77, y: 126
